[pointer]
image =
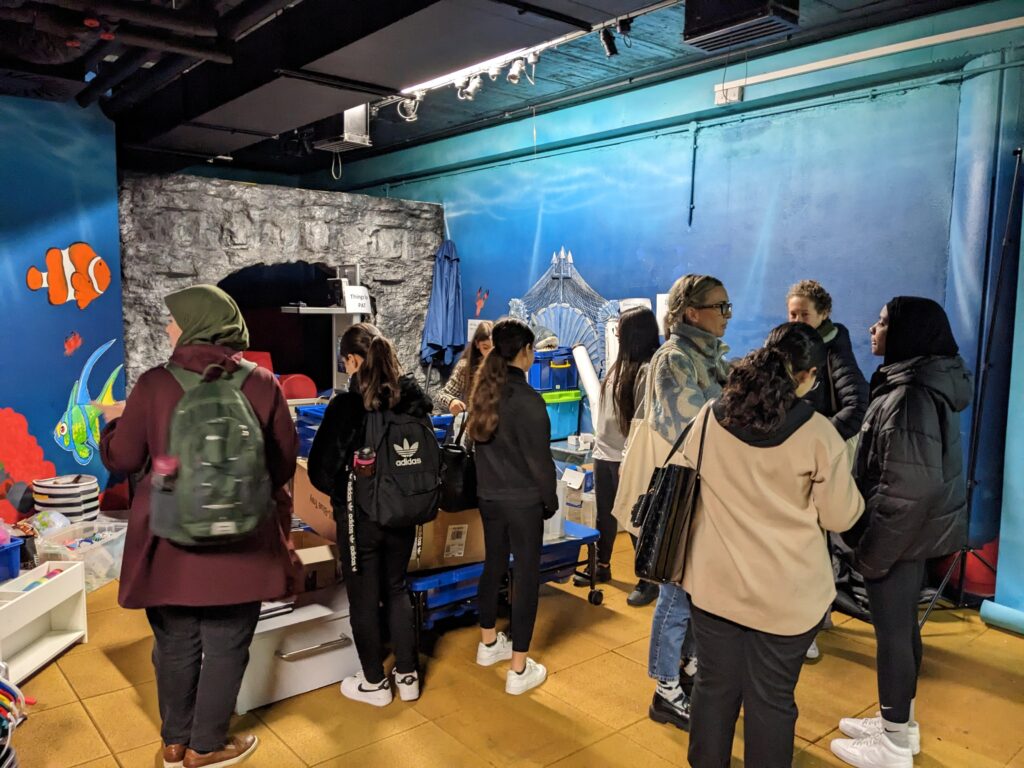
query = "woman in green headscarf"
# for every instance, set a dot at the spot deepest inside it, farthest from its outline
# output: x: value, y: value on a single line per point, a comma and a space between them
x: 202, y: 602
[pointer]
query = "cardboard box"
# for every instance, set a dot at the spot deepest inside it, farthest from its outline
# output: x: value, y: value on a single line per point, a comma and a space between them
x: 452, y: 538
x: 312, y: 507
x: 319, y: 558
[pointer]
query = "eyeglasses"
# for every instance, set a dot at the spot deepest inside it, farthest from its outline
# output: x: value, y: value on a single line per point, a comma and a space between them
x: 725, y: 307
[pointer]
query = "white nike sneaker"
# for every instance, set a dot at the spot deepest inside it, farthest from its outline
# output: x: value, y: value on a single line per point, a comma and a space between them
x: 357, y: 689
x: 408, y: 685
x: 859, y: 727
x: 487, y: 656
x: 533, y: 675
x: 873, y: 751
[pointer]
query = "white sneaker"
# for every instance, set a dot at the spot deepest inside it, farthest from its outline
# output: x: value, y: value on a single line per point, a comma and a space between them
x: 859, y: 727
x: 408, y: 685
x: 873, y: 751
x: 533, y: 675
x: 813, y: 652
x: 500, y: 651
x: 357, y: 689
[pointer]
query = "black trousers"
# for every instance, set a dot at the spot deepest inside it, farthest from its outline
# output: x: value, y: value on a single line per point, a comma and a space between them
x: 382, y: 556
x: 606, y: 484
x: 742, y: 666
x: 516, y: 528
x: 893, y: 600
x: 200, y: 655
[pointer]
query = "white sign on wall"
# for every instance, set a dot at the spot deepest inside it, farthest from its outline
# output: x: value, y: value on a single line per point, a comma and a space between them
x: 357, y: 300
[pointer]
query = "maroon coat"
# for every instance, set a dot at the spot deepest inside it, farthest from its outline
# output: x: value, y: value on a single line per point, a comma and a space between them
x: 156, y: 572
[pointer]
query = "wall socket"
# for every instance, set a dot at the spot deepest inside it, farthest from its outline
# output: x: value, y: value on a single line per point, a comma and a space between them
x: 730, y: 95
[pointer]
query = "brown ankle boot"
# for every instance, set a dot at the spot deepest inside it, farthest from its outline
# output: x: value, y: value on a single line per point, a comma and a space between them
x: 174, y: 754
x: 235, y: 751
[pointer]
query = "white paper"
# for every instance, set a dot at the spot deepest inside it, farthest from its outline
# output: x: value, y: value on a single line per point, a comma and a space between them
x: 471, y: 327
x: 660, y: 309
x: 574, y: 478
x: 455, y: 541
x: 357, y: 299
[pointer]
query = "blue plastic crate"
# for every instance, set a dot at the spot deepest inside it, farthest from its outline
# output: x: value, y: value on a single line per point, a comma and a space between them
x: 563, y: 412
x: 310, y: 414
x: 554, y: 370
x: 10, y: 560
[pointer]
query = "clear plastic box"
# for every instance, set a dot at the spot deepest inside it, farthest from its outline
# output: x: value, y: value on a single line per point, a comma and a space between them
x: 102, y: 560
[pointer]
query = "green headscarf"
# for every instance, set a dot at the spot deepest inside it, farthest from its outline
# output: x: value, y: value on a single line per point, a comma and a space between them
x: 207, y: 315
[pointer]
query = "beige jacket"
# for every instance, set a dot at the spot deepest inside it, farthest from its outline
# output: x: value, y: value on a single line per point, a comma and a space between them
x: 758, y: 555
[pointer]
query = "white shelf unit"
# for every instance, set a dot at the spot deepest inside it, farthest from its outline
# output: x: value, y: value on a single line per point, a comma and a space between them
x: 341, y: 321
x: 39, y: 625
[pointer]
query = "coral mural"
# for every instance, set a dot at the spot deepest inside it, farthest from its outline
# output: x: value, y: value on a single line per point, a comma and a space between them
x: 21, y: 457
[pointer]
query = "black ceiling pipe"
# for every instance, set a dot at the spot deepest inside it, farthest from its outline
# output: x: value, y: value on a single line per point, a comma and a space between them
x: 547, y: 13
x: 187, y: 46
x: 156, y: 78
x: 112, y: 74
x: 244, y: 17
x: 145, y: 14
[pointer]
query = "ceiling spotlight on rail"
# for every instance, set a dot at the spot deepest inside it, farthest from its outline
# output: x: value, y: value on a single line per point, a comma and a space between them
x: 515, y: 72
x: 608, y: 41
x: 469, y: 92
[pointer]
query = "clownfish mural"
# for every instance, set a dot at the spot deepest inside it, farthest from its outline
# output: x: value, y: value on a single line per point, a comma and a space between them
x: 76, y: 273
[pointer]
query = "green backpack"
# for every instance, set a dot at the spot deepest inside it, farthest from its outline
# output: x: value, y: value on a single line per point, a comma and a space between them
x: 222, y: 491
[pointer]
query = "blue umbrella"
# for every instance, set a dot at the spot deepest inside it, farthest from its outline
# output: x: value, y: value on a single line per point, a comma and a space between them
x: 444, y: 331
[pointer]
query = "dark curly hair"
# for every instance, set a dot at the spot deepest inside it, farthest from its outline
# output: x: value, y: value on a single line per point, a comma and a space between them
x: 762, y: 387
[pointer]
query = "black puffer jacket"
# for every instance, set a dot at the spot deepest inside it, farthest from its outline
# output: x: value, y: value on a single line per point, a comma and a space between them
x: 909, y: 466
x: 342, y: 433
x: 842, y: 392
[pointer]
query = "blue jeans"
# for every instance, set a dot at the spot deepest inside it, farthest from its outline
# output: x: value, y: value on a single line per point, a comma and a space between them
x: 669, y: 633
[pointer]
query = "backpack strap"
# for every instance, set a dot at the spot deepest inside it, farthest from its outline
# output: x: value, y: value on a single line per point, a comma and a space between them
x: 190, y: 379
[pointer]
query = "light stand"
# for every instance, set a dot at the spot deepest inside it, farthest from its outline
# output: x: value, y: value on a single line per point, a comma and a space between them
x: 967, y: 551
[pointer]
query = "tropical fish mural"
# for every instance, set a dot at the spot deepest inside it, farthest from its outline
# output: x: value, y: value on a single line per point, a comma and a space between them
x: 72, y: 343
x: 78, y: 430
x: 76, y: 273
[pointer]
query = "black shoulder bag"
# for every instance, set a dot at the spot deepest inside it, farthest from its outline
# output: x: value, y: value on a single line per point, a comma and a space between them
x: 664, y: 515
x: 458, y: 475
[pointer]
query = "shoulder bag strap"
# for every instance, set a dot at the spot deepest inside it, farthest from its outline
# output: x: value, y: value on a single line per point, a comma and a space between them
x: 682, y: 438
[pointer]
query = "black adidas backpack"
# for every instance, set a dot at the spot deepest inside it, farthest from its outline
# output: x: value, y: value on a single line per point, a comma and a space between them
x: 406, y: 484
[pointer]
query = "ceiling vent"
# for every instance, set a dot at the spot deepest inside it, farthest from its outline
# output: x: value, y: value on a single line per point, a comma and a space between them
x: 355, y: 132
x: 714, y: 26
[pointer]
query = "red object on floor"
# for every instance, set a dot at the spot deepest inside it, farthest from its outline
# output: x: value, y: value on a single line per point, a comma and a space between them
x: 297, y: 386
x: 978, y: 579
x: 262, y: 359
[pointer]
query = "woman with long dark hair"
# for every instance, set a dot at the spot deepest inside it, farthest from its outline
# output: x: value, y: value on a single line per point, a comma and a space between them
x: 621, y: 391
x: 774, y: 474
x: 909, y: 467
x: 516, y: 483
x: 455, y: 395
x: 375, y: 558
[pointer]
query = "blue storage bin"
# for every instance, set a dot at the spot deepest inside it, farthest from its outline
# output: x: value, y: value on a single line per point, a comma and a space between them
x: 442, y: 421
x: 10, y: 560
x: 563, y: 412
x: 310, y: 414
x: 552, y: 371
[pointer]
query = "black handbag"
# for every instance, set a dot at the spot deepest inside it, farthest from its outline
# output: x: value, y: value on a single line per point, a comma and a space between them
x: 664, y: 515
x: 458, y: 475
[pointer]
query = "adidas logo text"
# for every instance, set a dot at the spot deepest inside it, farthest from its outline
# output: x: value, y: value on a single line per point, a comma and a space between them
x: 407, y: 452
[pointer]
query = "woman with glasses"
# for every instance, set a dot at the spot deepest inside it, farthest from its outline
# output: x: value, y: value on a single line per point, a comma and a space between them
x: 688, y: 371
x: 841, y: 394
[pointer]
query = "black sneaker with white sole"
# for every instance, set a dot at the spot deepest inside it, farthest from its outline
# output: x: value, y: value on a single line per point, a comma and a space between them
x: 675, y: 713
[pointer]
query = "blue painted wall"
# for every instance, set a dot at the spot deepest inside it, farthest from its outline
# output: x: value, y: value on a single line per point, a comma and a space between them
x: 58, y: 173
x: 882, y: 178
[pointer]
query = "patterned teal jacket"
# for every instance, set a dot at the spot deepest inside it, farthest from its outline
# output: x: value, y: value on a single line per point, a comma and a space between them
x: 688, y: 370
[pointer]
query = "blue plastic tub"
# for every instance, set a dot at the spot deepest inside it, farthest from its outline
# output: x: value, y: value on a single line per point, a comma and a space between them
x: 552, y: 371
x: 563, y: 412
x: 10, y: 560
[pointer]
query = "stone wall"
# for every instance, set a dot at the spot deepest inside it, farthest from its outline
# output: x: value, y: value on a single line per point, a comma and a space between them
x: 181, y: 230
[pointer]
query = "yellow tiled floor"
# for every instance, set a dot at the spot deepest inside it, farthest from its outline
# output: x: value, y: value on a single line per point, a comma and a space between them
x: 97, y: 704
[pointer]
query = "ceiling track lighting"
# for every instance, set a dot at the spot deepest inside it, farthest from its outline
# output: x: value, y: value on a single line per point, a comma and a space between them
x: 624, y: 27
x: 516, y: 71
x: 608, y: 41
x: 494, y: 72
x: 470, y: 90
x: 408, y: 108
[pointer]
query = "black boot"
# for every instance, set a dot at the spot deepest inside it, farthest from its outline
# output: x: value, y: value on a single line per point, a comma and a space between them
x: 645, y: 593
x: 676, y: 713
x: 604, y: 575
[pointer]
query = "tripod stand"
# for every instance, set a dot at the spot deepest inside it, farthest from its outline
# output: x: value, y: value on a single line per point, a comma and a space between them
x: 967, y: 551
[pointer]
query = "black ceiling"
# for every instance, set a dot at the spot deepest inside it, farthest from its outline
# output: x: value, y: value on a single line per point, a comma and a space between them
x: 260, y: 80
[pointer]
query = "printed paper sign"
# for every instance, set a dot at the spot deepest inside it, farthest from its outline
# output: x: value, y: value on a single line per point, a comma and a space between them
x: 471, y: 328
x: 357, y: 299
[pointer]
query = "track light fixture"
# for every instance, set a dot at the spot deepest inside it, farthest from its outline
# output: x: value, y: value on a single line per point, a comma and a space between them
x: 608, y: 41
x: 494, y: 72
x: 469, y: 91
x: 516, y: 71
x: 408, y: 108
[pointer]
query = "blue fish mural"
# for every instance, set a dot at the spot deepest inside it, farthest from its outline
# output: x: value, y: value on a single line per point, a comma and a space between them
x: 78, y: 430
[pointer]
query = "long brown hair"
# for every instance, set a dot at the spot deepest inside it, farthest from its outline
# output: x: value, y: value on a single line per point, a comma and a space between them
x: 378, y: 376
x: 638, y: 341
x: 510, y: 337
x: 472, y: 353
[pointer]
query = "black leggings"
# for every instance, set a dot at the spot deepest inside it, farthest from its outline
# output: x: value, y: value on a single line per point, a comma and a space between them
x: 606, y: 484
x: 518, y: 528
x: 893, y: 600
x: 383, y: 561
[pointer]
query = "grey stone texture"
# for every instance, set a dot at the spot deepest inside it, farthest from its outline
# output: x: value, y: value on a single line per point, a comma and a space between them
x: 180, y: 230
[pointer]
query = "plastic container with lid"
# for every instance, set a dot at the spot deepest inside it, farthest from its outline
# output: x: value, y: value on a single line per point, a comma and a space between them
x: 98, y: 546
x: 563, y: 412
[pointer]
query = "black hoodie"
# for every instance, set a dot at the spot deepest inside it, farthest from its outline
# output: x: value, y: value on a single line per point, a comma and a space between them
x: 909, y: 466
x: 342, y: 433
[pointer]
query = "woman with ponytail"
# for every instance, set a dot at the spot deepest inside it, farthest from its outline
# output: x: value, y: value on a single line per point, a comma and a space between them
x: 774, y: 474
x: 375, y: 558
x: 516, y: 483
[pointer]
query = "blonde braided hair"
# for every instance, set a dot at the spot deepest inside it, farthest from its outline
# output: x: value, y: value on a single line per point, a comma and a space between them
x: 688, y: 291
